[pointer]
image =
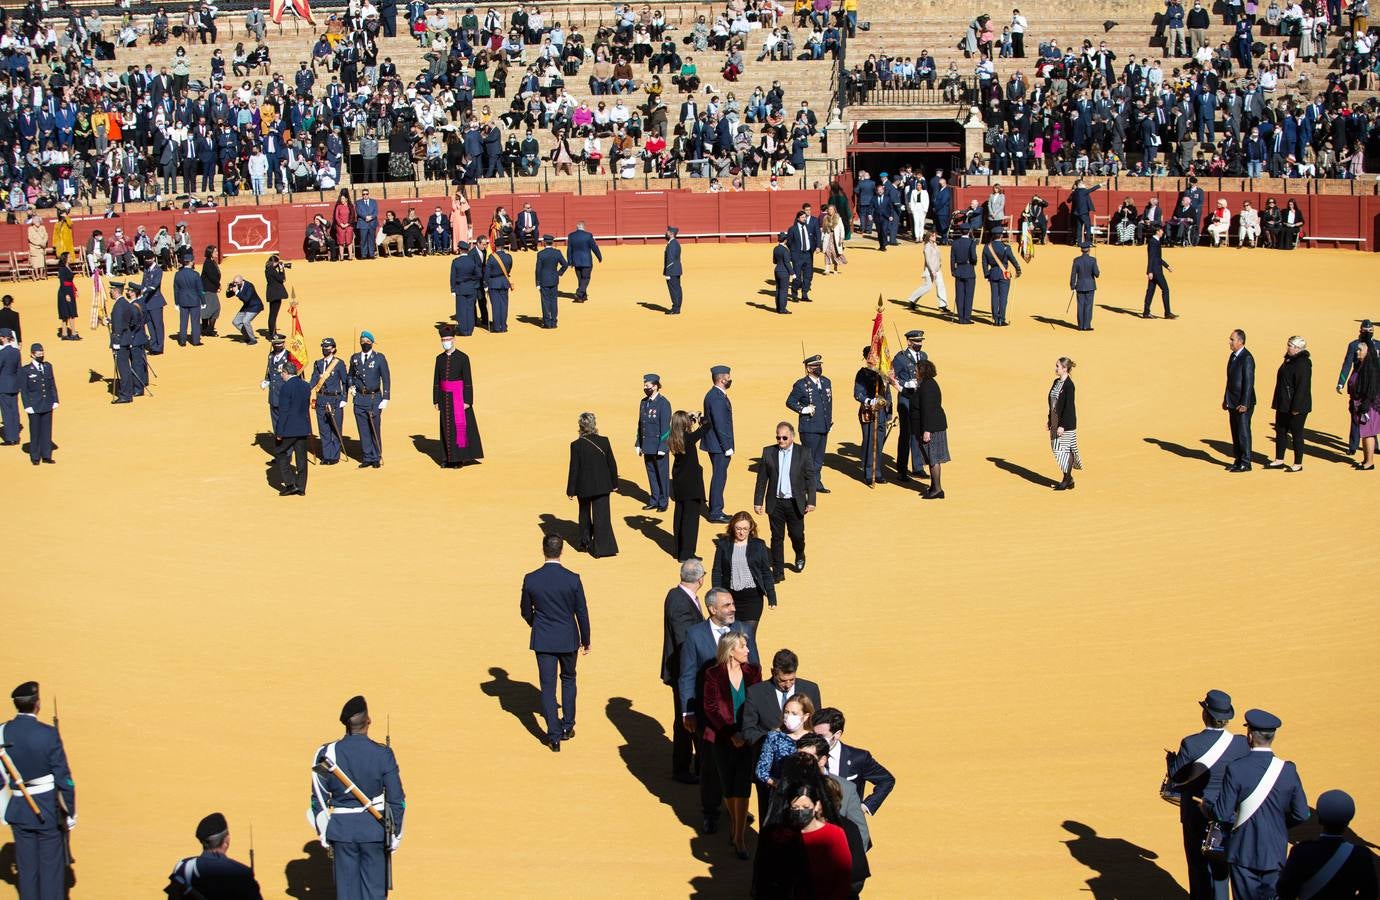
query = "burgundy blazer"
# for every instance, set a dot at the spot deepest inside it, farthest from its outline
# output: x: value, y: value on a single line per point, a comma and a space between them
x: 717, y: 700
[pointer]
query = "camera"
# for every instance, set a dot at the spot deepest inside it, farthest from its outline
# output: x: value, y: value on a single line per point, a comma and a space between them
x: 287, y: 265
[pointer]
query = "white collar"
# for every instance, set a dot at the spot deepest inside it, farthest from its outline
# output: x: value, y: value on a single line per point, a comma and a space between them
x: 1262, y: 750
x: 835, y: 758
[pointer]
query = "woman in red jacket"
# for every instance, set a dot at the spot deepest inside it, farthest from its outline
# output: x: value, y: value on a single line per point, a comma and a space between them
x: 725, y: 688
x: 802, y: 855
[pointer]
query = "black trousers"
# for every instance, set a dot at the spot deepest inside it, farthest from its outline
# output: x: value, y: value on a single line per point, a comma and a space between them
x: 40, y: 436
x: 1289, y: 431
x: 1207, y: 880
x: 711, y: 791
x: 291, y: 454
x: 582, y: 274
x: 596, y: 531
x: 785, y: 520
x: 908, y: 459
x: 547, y: 665
x: 273, y: 307
x: 1157, y: 281
x: 686, y: 527
x: 1241, y: 435
x: 682, y: 741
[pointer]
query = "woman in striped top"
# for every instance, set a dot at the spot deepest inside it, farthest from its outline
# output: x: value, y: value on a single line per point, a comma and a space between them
x: 1063, y: 423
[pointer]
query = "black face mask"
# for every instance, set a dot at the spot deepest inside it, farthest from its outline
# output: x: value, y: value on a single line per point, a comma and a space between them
x: 647, y: 391
x: 365, y: 348
x: 728, y: 384
x: 799, y: 818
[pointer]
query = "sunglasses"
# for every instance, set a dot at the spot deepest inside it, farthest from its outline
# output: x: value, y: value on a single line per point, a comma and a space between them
x: 783, y: 437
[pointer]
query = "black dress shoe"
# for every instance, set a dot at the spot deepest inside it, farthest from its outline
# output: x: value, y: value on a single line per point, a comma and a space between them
x: 649, y: 506
x: 366, y: 465
x: 719, y: 520
x: 934, y: 495
x: 1146, y: 315
x: 567, y: 734
x: 800, y: 564
x: 686, y: 778
x: 554, y: 743
x: 122, y: 400
x: 710, y: 825
x: 35, y: 462
x: 376, y: 464
x: 661, y: 509
x: 823, y: 490
x: 50, y: 462
x: 287, y: 492
x: 1171, y: 315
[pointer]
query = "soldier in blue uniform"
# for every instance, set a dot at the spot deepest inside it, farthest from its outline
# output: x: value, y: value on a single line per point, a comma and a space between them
x: 9, y: 388
x: 996, y: 256
x: 292, y: 433
x: 872, y: 390
x: 781, y: 272
x: 812, y: 399
x: 1083, y: 281
x: 38, y: 392
x: 272, y: 380
x: 582, y: 250
x: 136, y: 338
x: 213, y: 875
x: 362, y: 844
x: 369, y: 386
x: 653, y: 429
x: 551, y: 265
x: 903, y: 371
x: 1260, y: 799
x: 717, y: 423
x: 1195, y: 770
x: 962, y: 258
x: 1331, y: 867
x: 464, y: 284
x: 498, y: 281
x: 33, y: 750
x: 671, y: 269
x: 151, y: 295
x: 480, y: 252
x: 329, y: 383
x: 121, y: 314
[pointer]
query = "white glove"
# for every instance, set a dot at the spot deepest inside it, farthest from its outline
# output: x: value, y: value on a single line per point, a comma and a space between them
x: 29, y: 410
x: 55, y: 405
x: 383, y: 404
x: 807, y: 410
x: 393, y: 843
x: 728, y: 453
x: 114, y: 346
x: 910, y: 385
x: 342, y: 405
x: 71, y: 822
x: 639, y: 451
x: 263, y: 384
x: 659, y: 455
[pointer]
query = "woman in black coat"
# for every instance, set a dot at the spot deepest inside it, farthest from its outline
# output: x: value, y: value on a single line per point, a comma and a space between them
x: 742, y: 566
x: 1062, y: 423
x: 593, y: 476
x: 1293, y: 401
x: 687, y: 482
x: 927, y: 420
x: 275, y: 275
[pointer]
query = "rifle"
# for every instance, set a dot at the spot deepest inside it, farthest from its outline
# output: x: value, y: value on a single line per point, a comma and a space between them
x: 327, y: 766
x: 61, y: 803
x: 13, y: 773
x: 251, y: 848
x: 388, y: 814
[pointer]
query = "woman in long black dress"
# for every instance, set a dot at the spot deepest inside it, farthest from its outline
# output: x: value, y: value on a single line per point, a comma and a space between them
x: 687, y: 482
x: 452, y: 393
x: 593, y: 476
x: 66, y: 301
x: 275, y: 274
x: 930, y: 425
x: 742, y: 565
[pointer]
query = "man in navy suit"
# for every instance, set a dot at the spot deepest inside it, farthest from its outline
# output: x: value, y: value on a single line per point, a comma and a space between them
x: 153, y: 302
x: 670, y: 268
x: 698, y: 652
x: 942, y: 201
x: 962, y: 259
x: 9, y: 388
x: 764, y: 704
x: 1239, y: 400
x: 525, y: 229
x: 803, y: 241
x: 187, y: 294
x: 681, y: 612
x: 1155, y: 267
x: 38, y: 392
x: 781, y: 271
x: 553, y: 604
x: 551, y: 265
x: 35, y: 750
x: 785, y: 491
x: 718, y: 438
x: 292, y: 430
x: 1260, y: 799
x: 852, y: 764
x: 582, y: 250
x: 464, y: 284
x: 1081, y: 207
x: 1197, y: 769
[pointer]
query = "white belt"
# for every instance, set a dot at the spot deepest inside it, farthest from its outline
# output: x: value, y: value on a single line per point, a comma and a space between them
x: 41, y: 785
x: 375, y: 803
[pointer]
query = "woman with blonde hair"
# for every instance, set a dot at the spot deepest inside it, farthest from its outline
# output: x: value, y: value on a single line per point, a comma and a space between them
x: 831, y: 230
x: 725, y: 692
x: 593, y: 476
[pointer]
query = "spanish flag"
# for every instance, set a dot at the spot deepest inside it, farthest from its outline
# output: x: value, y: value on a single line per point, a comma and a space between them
x: 276, y: 8
x: 297, y: 342
x: 878, y: 338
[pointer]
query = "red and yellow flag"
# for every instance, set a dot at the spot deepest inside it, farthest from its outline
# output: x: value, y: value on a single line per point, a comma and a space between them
x: 276, y: 8
x: 297, y: 342
x: 879, y: 337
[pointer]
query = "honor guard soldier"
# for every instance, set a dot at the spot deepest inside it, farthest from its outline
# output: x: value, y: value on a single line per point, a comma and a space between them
x: 1194, y: 771
x: 872, y: 390
x: 997, y: 262
x: 464, y: 284
x: 782, y: 272
x: 671, y: 269
x: 9, y: 388
x: 497, y: 282
x: 551, y: 265
x: 812, y: 398
x: 43, y: 800
x: 1261, y: 798
x: 38, y: 392
x: 121, y: 314
x: 151, y: 295
x: 962, y: 257
x: 1083, y: 281
x: 369, y: 386
x: 1331, y: 867
x: 903, y: 370
x: 653, y: 430
x: 357, y: 806
x: 273, y: 378
x: 329, y: 383
x: 213, y: 875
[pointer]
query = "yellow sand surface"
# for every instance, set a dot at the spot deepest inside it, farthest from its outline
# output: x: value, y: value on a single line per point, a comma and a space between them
x: 1018, y: 658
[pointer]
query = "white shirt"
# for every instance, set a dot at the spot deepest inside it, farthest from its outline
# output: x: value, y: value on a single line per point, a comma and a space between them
x: 783, y: 476
x: 835, y: 754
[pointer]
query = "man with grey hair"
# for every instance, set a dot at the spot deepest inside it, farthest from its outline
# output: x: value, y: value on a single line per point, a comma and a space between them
x: 682, y: 612
x: 697, y: 653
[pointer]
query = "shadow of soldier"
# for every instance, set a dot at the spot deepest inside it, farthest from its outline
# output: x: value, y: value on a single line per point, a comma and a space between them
x: 1124, y: 871
x: 311, y: 877
x: 519, y: 699
x: 9, y: 867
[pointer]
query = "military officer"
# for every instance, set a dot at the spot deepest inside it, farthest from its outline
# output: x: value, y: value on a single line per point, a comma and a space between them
x: 39, y: 394
x: 151, y: 295
x: 136, y: 338
x: 551, y: 265
x: 32, y: 751
x: 903, y: 371
x: 718, y: 439
x: 464, y: 284
x: 996, y: 257
x: 480, y: 251
x: 1195, y: 770
x: 369, y: 386
x: 653, y: 429
x: 120, y: 315
x: 362, y: 834
x: 1083, y: 281
x: 782, y: 272
x: 812, y: 398
x: 962, y: 258
x: 872, y: 390
x: 213, y: 873
x: 1260, y: 799
x: 273, y: 379
x: 1331, y: 867
x: 9, y: 388
x: 671, y: 269
x: 329, y: 384
x: 498, y: 281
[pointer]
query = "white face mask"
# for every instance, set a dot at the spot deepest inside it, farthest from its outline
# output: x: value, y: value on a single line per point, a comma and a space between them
x: 446, y: 345
x: 792, y: 721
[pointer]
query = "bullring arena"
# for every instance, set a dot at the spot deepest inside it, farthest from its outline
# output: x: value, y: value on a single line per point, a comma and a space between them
x: 1017, y: 659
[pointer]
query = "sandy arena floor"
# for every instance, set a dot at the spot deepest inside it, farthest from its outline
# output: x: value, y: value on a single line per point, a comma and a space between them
x: 1018, y: 659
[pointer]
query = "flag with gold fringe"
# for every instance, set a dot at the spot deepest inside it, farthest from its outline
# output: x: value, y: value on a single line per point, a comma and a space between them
x: 297, y: 341
x: 879, y: 336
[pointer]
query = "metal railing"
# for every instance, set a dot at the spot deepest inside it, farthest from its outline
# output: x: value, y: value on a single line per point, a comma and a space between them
x: 941, y: 93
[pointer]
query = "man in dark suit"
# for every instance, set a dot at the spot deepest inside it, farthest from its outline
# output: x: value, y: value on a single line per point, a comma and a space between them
x: 550, y: 266
x: 9, y: 316
x: 1155, y: 267
x: 39, y: 395
x: 681, y: 612
x: 718, y: 439
x: 553, y: 604
x: 9, y: 388
x: 670, y: 268
x: 582, y: 250
x: 786, y: 492
x: 1083, y: 281
x: 853, y: 764
x: 1330, y: 866
x: 1081, y: 208
x: 698, y: 652
x: 525, y: 229
x: 962, y: 259
x: 1239, y: 400
x: 187, y: 294
x: 781, y: 272
x: 802, y: 243
x: 292, y: 430
x: 464, y: 284
x: 763, y: 705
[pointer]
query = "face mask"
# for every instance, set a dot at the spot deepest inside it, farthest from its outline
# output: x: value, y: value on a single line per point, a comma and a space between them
x: 38, y: 358
x: 793, y: 722
x: 647, y: 391
x: 728, y: 384
x: 446, y: 345
x: 365, y: 348
x: 798, y: 818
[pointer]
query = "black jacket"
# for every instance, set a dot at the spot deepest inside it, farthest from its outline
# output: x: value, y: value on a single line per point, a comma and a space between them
x: 1294, y: 385
x: 687, y: 475
x: 593, y: 471
x: 1240, y: 381
x: 758, y: 560
x: 277, y: 287
x: 802, y: 477
x: 1063, y: 414
x: 678, y: 615
x: 927, y: 409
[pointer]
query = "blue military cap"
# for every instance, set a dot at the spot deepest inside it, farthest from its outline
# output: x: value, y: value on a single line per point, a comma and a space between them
x: 1260, y: 720
x: 25, y: 691
x: 548, y: 239
x: 781, y: 235
x: 1367, y: 325
x: 998, y: 230
x: 652, y: 376
x: 36, y: 348
x: 7, y: 333
x: 463, y: 244
x: 328, y: 342
x: 366, y: 336
x: 915, y: 334
x: 353, y: 707
x: 1085, y: 246
x: 1336, y: 809
x: 716, y: 371
x: 1218, y: 705
x: 277, y: 338
x: 815, y: 360
x: 211, y: 826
